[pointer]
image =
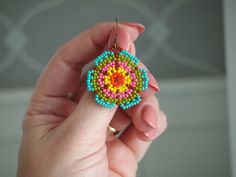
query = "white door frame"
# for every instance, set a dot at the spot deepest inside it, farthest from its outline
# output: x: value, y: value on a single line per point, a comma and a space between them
x: 230, y: 53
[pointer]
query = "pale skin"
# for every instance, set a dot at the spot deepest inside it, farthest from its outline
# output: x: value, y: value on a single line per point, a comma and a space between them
x: 65, y: 131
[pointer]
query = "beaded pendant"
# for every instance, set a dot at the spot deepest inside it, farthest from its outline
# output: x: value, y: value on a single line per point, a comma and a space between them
x: 116, y: 78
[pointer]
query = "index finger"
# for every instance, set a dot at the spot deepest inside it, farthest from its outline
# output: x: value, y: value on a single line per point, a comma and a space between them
x: 64, y: 70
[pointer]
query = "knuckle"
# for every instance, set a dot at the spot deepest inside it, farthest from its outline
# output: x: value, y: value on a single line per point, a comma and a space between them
x: 27, y: 123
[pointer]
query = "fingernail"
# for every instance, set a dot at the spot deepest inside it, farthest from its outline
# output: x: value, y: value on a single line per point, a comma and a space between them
x: 138, y: 26
x: 153, y: 83
x: 149, y: 116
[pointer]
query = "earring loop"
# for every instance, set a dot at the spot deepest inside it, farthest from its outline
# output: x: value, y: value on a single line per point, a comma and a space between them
x: 116, y: 78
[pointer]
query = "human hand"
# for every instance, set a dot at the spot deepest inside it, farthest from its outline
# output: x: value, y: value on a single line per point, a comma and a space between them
x: 65, y: 131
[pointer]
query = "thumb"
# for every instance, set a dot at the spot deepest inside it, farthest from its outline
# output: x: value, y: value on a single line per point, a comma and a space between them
x: 89, y: 121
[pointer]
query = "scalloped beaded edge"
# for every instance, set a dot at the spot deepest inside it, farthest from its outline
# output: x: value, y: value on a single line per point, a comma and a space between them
x: 106, y: 101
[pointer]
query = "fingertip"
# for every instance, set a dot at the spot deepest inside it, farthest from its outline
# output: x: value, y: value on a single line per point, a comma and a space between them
x: 145, y: 114
x: 149, y: 116
x: 140, y: 27
x: 152, y: 134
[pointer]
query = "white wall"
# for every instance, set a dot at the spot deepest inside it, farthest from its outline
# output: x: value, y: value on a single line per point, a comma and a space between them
x: 230, y: 46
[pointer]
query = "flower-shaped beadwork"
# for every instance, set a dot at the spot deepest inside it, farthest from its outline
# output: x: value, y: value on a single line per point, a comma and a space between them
x: 116, y: 79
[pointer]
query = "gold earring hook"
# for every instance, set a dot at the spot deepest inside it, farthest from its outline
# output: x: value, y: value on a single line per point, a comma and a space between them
x: 116, y: 36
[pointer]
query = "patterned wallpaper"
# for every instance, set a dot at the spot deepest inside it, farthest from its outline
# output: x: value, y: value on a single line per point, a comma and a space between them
x: 183, y: 38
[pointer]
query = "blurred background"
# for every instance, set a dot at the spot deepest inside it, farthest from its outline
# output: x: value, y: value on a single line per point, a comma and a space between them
x: 183, y: 46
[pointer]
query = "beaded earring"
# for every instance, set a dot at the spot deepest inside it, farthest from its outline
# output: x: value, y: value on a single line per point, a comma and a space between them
x: 116, y: 78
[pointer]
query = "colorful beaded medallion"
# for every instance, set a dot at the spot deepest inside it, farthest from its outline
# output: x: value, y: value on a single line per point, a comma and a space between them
x: 116, y: 79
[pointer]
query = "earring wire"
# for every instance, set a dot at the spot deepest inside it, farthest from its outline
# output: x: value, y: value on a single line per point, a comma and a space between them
x: 116, y: 36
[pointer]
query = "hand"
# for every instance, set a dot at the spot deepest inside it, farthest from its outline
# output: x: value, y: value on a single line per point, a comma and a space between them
x: 65, y: 131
